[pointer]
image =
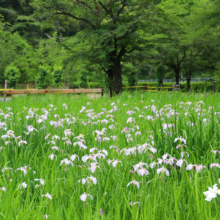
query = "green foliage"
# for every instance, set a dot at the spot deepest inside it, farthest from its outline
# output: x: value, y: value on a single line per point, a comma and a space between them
x: 160, y: 74
x: 131, y: 80
x: 12, y: 74
x: 198, y: 87
x: 58, y: 77
x: 127, y: 36
x: 195, y: 86
x: 92, y: 85
x: 110, y: 33
x: 106, y: 82
x: 13, y: 49
x: 84, y: 82
x: 41, y: 79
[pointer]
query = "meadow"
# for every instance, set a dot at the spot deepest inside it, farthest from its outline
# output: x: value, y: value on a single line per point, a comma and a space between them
x: 133, y: 156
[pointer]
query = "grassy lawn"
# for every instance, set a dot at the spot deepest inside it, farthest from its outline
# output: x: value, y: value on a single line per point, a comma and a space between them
x: 135, y: 156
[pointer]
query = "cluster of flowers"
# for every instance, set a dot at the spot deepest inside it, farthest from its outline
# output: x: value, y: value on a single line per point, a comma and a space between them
x: 94, y: 159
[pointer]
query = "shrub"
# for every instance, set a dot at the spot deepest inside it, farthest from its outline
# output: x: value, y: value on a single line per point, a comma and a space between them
x: 160, y: 74
x: 12, y: 74
x: 198, y: 86
x: 83, y: 83
x: 108, y: 83
x: 131, y: 80
x: 195, y: 86
x: 92, y: 85
x: 41, y: 80
x: 57, y: 77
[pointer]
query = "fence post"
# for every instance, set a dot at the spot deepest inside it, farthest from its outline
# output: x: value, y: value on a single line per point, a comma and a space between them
x: 6, y: 85
x: 67, y: 85
x: 144, y: 87
x: 213, y: 84
x: 176, y: 87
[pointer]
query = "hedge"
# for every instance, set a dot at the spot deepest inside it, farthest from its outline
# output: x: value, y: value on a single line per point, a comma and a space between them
x: 195, y: 86
x: 76, y: 85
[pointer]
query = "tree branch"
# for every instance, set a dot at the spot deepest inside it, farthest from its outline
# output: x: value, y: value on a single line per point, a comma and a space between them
x: 104, y: 69
x: 121, y: 52
x: 77, y: 18
x: 87, y: 5
x: 172, y: 65
x: 96, y: 7
x: 107, y: 11
x: 130, y: 51
x: 48, y: 35
x: 119, y: 12
x: 129, y: 28
x: 182, y: 58
x: 207, y: 67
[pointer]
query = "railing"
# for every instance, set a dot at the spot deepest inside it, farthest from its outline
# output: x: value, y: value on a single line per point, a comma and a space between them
x: 5, y: 89
x: 173, y: 80
x: 50, y: 91
x: 149, y: 88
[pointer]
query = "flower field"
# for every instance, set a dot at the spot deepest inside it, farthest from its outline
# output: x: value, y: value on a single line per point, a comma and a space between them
x: 139, y: 156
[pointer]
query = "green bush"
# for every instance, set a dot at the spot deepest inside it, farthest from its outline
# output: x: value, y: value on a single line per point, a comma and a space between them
x: 195, y: 86
x: 92, y: 85
x: 57, y: 77
x: 41, y: 80
x: 198, y: 86
x: 83, y: 78
x: 107, y: 83
x: 131, y: 80
x: 160, y: 74
x: 12, y: 74
x: 217, y: 86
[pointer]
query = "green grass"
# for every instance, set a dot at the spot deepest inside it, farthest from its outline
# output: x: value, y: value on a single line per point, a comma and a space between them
x: 177, y: 196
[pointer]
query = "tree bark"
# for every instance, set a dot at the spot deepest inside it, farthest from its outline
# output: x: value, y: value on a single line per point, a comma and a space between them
x: 188, y: 79
x: 110, y: 82
x: 188, y: 84
x: 116, y: 69
x: 177, y: 72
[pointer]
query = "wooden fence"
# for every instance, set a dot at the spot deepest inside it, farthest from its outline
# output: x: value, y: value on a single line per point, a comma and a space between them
x: 50, y: 91
x: 7, y: 91
x: 153, y: 88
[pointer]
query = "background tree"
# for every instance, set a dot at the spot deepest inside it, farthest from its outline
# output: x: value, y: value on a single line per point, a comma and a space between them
x: 83, y: 83
x: 12, y: 74
x: 13, y: 49
x: 41, y: 79
x: 110, y: 38
x: 58, y: 77
x: 110, y: 29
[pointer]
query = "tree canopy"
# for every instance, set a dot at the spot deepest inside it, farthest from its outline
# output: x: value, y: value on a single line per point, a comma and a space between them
x: 110, y: 39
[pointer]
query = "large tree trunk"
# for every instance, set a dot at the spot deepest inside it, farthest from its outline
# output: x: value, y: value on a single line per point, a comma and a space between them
x: 177, y: 72
x: 116, y: 69
x: 188, y: 79
x: 188, y: 83
x: 110, y: 81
